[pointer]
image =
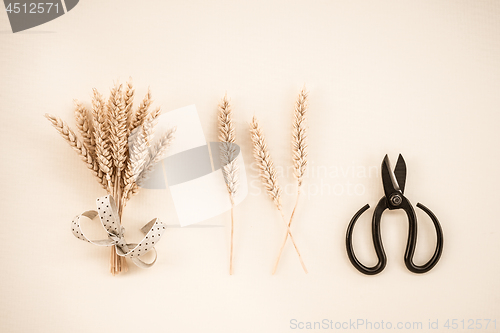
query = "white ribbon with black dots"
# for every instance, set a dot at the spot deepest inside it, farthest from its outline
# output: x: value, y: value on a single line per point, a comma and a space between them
x: 108, y: 214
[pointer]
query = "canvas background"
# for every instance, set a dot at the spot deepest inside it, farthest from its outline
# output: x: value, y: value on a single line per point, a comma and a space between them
x: 387, y: 77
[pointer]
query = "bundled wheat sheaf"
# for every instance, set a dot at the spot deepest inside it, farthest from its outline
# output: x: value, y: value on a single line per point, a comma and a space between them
x: 105, y: 134
x: 268, y: 172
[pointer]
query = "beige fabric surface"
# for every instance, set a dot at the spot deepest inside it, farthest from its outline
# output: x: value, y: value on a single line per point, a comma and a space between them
x: 420, y: 78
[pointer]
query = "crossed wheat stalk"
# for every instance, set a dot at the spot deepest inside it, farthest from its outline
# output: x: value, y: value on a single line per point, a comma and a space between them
x: 268, y: 172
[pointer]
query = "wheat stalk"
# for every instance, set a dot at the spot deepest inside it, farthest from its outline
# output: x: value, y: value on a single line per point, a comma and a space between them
x: 268, y: 175
x: 299, y: 154
x: 62, y: 127
x: 108, y: 134
x: 227, y: 146
x: 227, y: 137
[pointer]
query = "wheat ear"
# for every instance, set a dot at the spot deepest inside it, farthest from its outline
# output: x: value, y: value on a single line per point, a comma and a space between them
x: 227, y: 137
x: 85, y: 128
x: 138, y: 154
x: 299, y: 154
x: 128, y: 100
x: 118, y: 137
x: 141, y: 113
x: 266, y: 165
x: 268, y: 175
x: 79, y: 146
x: 101, y: 132
x: 156, y: 113
x: 156, y: 153
x: 299, y: 136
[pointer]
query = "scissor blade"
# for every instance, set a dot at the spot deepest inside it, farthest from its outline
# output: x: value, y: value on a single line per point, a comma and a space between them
x: 388, y: 179
x: 400, y: 173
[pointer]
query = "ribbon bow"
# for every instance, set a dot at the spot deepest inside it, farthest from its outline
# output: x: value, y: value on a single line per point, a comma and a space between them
x: 108, y: 214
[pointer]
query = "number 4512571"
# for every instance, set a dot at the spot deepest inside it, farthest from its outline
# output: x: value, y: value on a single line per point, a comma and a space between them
x: 32, y: 8
x: 471, y: 324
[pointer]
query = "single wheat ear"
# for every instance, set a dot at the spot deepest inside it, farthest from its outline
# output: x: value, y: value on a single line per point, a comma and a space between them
x: 141, y: 113
x: 299, y: 154
x: 268, y: 175
x: 267, y: 170
x: 228, y: 152
x: 157, y: 152
x: 138, y: 154
x: 299, y: 136
x: 101, y: 134
x: 118, y: 138
x: 128, y: 101
x: 84, y: 126
x: 70, y: 137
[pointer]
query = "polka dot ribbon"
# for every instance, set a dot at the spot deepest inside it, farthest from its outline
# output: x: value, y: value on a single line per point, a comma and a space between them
x: 108, y: 214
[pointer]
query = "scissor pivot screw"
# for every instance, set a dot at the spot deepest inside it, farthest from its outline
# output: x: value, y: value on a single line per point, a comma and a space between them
x: 396, y: 200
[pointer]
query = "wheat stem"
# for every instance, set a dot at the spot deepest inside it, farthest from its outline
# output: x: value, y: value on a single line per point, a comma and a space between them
x: 286, y: 236
x: 232, y: 238
x: 289, y: 232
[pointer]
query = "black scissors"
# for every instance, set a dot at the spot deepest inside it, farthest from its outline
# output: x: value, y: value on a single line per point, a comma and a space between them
x: 394, y: 185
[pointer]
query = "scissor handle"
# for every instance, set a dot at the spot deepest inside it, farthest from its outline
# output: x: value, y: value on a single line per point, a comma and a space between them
x: 412, y: 239
x: 377, y: 240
